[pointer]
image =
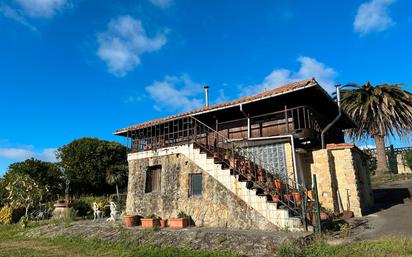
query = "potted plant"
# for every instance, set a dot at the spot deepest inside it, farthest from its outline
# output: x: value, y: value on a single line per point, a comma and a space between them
x: 227, y: 155
x: 298, y: 197
x: 150, y: 221
x: 249, y: 177
x: 181, y: 221
x: 163, y: 223
x: 130, y: 220
x: 287, y: 197
x: 275, y: 198
x: 311, y: 194
x: 278, y: 183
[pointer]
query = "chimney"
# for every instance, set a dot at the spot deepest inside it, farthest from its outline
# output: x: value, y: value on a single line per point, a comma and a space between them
x: 206, y: 88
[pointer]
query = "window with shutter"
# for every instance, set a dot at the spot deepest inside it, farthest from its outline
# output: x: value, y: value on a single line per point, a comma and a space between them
x: 153, y: 179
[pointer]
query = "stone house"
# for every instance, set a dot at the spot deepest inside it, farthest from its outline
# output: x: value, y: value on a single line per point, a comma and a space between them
x: 219, y: 164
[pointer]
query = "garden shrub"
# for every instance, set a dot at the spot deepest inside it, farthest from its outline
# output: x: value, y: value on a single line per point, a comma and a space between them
x: 88, y: 201
x: 9, y: 215
x: 82, y: 208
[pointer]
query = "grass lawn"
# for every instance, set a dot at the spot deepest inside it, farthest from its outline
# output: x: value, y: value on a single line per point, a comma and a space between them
x: 389, y: 247
x: 12, y: 244
x: 379, y: 181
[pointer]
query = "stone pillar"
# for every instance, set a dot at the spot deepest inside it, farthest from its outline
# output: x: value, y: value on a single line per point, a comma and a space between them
x: 343, y: 178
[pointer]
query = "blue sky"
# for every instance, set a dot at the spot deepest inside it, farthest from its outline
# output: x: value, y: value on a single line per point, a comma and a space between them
x: 75, y: 68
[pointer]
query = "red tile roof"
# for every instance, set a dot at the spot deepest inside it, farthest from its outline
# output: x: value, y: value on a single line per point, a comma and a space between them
x: 270, y: 93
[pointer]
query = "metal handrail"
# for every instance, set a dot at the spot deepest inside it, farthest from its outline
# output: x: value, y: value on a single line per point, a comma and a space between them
x: 237, y: 152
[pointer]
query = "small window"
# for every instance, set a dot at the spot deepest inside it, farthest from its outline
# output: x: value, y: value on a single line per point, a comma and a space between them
x: 153, y: 175
x: 195, y: 184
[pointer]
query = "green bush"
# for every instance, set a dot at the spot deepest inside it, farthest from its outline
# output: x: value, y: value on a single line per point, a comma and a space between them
x: 9, y: 215
x: 101, y: 201
x: 82, y: 208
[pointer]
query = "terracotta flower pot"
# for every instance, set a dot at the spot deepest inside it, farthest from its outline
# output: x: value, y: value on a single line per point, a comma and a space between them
x: 297, y: 196
x: 216, y: 155
x: 261, y: 178
x: 311, y: 194
x: 278, y: 183
x: 148, y: 223
x: 130, y: 220
x: 275, y: 198
x: 163, y: 223
x: 232, y: 164
x: 178, y: 222
x: 249, y: 177
x: 287, y: 197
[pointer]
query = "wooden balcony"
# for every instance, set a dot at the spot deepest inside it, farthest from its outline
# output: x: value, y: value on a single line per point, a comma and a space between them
x: 302, y: 122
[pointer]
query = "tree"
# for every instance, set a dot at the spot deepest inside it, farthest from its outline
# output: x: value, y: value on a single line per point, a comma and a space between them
x: 2, y: 192
x: 23, y: 191
x: 117, y: 175
x: 86, y: 162
x: 46, y: 174
x: 380, y: 111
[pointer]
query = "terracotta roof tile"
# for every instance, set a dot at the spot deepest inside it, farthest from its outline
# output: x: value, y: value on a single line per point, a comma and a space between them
x: 280, y: 90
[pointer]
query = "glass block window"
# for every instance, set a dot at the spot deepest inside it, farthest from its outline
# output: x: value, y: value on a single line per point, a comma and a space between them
x: 270, y: 157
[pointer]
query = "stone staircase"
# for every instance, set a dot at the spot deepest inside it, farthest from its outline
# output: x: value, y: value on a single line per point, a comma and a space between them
x: 277, y: 216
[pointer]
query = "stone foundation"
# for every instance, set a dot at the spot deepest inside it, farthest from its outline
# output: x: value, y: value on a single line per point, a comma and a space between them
x: 216, y: 207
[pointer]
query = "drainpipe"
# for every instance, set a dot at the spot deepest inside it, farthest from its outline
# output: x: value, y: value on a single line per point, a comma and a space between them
x: 322, y: 135
x: 293, y: 153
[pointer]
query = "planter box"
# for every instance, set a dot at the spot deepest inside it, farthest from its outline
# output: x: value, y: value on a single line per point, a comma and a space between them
x: 163, y: 223
x: 149, y: 223
x: 178, y: 222
x: 130, y: 220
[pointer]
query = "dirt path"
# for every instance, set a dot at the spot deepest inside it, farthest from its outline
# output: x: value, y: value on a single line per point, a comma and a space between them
x: 392, y: 214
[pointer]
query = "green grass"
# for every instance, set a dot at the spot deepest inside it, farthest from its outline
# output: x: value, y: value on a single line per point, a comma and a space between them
x: 388, y: 247
x: 12, y: 244
x: 379, y: 181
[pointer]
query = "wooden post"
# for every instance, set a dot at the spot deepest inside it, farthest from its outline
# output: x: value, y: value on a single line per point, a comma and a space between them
x: 286, y: 118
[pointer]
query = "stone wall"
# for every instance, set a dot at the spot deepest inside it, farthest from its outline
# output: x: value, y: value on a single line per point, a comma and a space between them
x: 342, y: 174
x: 401, y: 166
x: 216, y: 207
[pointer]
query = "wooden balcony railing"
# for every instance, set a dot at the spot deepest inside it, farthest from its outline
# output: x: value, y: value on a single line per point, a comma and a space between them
x: 302, y: 121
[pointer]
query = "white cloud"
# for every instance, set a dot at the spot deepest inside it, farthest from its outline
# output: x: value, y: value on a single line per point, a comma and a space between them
x: 42, y: 8
x: 124, y: 42
x: 48, y: 155
x: 309, y: 67
x: 176, y: 94
x: 373, y: 16
x: 16, y: 153
x: 22, y: 10
x: 23, y: 153
x: 16, y: 15
x: 161, y: 3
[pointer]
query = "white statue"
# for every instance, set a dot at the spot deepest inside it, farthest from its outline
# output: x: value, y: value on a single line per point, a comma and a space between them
x: 113, y: 212
x: 97, y: 213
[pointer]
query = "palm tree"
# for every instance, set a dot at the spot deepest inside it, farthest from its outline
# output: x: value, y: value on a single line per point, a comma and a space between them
x: 117, y: 175
x: 381, y: 110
